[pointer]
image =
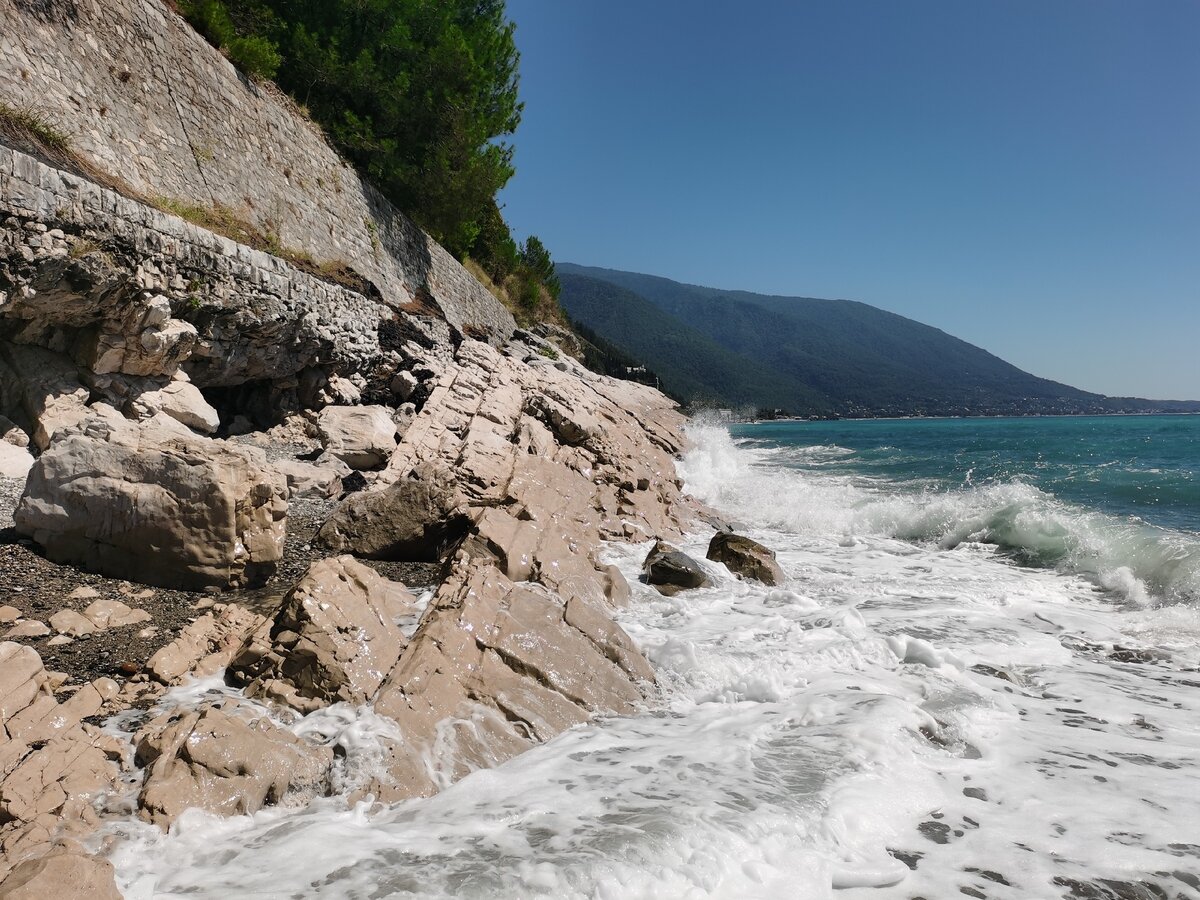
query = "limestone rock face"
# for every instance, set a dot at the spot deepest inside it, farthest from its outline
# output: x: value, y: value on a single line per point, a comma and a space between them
x: 62, y: 875
x: 516, y: 473
x: 410, y: 519
x: 333, y: 639
x: 531, y: 438
x: 41, y: 391
x: 745, y: 557
x: 217, y: 761
x: 363, y: 437
x: 52, y: 767
x: 494, y: 667
x: 145, y: 340
x: 153, y: 504
x: 671, y: 569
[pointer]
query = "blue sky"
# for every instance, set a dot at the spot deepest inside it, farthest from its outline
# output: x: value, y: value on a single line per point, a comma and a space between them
x: 1022, y: 174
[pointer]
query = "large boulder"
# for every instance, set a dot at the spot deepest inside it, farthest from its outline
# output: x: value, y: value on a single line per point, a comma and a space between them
x: 216, y: 760
x: 670, y: 569
x: 363, y: 437
x: 334, y: 638
x: 157, y: 504
x: 745, y: 557
x: 413, y: 519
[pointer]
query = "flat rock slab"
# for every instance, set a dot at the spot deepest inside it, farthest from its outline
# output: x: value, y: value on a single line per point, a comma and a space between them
x: 61, y: 876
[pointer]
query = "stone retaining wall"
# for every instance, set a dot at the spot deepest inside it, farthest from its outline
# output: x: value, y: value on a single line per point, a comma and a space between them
x: 148, y: 100
x: 257, y: 316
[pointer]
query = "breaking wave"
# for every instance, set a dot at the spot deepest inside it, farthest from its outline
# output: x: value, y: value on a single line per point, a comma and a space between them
x: 786, y: 489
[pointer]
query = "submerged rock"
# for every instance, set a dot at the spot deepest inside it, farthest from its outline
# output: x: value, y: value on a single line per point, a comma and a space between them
x: 671, y: 570
x: 745, y: 557
x: 154, y: 503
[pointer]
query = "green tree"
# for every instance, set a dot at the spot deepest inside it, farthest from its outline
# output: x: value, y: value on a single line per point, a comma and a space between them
x: 419, y: 94
x: 536, y: 260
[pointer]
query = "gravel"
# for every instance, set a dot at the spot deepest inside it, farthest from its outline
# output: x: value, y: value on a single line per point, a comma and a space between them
x: 40, y: 588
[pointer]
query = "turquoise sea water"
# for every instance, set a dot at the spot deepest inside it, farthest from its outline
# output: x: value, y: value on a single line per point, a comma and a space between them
x: 1108, y: 496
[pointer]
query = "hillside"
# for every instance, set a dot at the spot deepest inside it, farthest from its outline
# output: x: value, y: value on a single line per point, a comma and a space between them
x: 811, y: 356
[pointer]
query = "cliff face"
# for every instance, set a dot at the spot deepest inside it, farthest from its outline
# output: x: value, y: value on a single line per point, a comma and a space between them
x: 200, y: 416
x: 147, y: 100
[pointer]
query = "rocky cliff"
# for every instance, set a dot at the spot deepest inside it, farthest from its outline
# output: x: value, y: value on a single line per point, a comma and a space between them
x: 220, y: 460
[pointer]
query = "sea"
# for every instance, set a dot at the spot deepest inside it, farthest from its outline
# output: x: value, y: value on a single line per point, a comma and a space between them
x: 981, y: 678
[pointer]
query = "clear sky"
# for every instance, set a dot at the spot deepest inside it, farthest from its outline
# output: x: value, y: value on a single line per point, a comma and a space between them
x: 1023, y: 174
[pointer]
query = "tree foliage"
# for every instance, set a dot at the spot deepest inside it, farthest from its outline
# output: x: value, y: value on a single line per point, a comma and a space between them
x: 418, y: 94
x: 254, y: 54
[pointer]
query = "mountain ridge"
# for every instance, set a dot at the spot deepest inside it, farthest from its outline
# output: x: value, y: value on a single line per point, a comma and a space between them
x: 824, y: 356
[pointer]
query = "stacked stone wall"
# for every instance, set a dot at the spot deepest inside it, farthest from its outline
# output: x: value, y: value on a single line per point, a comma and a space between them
x: 146, y: 99
x: 259, y: 316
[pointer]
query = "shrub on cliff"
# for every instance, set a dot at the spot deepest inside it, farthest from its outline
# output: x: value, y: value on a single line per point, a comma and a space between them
x: 254, y: 54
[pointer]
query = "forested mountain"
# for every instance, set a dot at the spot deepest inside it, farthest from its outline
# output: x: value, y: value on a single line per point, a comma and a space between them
x: 810, y: 356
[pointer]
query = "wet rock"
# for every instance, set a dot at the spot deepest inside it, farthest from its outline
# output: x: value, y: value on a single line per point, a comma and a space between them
x: 493, y: 668
x: 153, y: 503
x: 52, y: 767
x: 334, y: 638
x: 215, y: 760
x: 61, y: 875
x: 206, y: 644
x: 745, y: 557
x: 412, y: 519
x: 363, y: 437
x: 670, y: 568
